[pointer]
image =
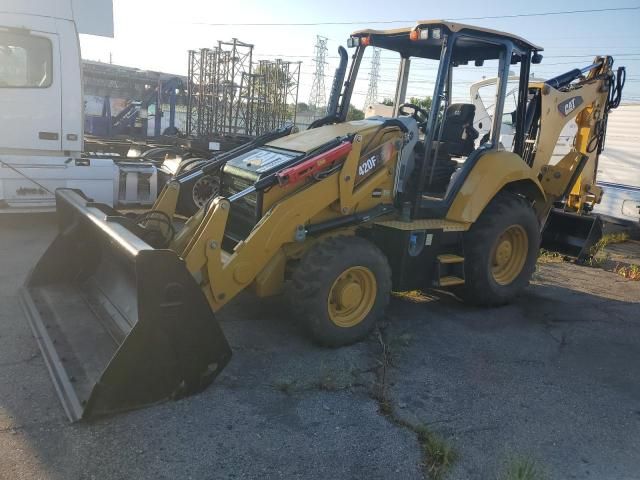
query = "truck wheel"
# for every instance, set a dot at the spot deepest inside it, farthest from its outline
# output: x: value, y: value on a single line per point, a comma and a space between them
x: 196, y: 194
x: 340, y: 289
x: 501, y: 249
x: 204, y: 189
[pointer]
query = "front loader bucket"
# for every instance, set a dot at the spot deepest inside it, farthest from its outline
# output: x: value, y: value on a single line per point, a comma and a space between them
x: 120, y: 324
x: 571, y: 234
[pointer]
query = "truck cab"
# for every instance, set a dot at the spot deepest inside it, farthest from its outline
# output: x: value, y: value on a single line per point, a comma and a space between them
x: 42, y: 113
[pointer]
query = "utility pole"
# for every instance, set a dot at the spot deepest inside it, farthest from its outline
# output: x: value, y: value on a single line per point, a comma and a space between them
x: 374, y: 75
x: 318, y: 96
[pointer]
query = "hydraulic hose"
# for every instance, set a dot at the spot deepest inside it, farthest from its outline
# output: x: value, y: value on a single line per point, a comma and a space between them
x: 616, y: 85
x: 615, y: 89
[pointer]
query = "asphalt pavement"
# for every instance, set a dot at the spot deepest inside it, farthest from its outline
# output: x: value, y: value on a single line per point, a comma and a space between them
x: 553, y: 378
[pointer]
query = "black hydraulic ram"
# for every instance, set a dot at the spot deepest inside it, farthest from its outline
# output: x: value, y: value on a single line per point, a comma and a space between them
x: 350, y: 220
x: 566, y: 78
x: 120, y: 324
x: 276, y: 178
x: 215, y: 163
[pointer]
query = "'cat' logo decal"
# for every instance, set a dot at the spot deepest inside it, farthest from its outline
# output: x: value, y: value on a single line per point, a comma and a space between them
x: 568, y: 106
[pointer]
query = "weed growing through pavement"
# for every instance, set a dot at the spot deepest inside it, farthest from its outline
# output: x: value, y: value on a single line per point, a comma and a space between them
x: 522, y: 468
x: 597, y: 255
x: 545, y: 256
x: 632, y: 272
x: 438, y: 456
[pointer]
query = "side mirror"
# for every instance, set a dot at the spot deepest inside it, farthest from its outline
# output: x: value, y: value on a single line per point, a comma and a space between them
x: 536, y: 58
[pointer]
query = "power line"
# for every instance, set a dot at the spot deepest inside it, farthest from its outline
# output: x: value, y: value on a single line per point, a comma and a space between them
x: 394, y: 59
x: 545, y: 14
x: 364, y: 22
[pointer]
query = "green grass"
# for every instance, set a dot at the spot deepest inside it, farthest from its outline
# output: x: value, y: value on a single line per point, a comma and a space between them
x: 522, y: 469
x: 608, y: 239
x: 438, y: 454
x: 545, y: 256
x: 632, y: 272
x: 611, y: 238
x: 598, y: 257
x: 414, y: 296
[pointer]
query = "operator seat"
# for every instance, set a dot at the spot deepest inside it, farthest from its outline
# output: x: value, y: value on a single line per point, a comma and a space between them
x: 457, y: 139
x: 458, y: 135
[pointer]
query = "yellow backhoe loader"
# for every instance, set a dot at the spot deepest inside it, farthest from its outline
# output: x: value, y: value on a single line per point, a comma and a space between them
x: 336, y: 217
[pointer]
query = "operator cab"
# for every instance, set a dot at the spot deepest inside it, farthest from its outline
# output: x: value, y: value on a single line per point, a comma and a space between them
x: 437, y: 62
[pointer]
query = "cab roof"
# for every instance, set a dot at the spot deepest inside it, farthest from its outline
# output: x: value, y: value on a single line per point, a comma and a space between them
x: 476, y: 46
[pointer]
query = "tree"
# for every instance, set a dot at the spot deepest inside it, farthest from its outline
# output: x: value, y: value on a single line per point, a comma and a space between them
x: 354, y: 113
x: 423, y: 103
x: 303, y: 107
x: 388, y: 102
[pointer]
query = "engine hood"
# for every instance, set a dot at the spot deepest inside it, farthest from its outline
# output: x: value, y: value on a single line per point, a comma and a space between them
x: 309, y: 140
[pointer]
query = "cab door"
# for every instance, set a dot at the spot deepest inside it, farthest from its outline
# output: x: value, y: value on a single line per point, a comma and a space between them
x: 30, y: 90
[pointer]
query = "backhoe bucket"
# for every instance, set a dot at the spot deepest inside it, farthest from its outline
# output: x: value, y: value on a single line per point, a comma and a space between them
x: 571, y: 234
x: 120, y: 324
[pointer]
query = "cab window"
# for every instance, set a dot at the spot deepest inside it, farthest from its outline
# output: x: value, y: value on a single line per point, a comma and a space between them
x: 25, y: 61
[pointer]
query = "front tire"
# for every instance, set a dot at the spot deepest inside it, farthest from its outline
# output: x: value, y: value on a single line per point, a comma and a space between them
x: 501, y: 250
x: 339, y: 290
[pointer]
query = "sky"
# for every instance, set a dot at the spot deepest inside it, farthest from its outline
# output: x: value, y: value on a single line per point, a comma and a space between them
x: 156, y: 35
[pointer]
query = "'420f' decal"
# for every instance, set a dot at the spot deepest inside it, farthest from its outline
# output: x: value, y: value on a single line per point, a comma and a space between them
x: 374, y: 160
x: 368, y: 165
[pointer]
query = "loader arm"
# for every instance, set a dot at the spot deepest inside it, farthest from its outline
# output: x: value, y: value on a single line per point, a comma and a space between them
x: 225, y: 274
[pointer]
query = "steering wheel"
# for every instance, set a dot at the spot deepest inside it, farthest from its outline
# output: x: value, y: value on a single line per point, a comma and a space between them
x: 419, y: 114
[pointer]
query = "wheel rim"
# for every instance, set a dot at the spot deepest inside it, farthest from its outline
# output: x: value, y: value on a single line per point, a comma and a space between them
x: 509, y: 254
x: 205, y: 188
x: 352, y: 296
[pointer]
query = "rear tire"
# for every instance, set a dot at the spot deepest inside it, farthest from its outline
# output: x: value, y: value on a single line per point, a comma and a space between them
x: 501, y: 250
x: 339, y: 289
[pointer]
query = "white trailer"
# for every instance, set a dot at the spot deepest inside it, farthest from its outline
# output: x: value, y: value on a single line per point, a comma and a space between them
x: 619, y: 166
x: 42, y: 114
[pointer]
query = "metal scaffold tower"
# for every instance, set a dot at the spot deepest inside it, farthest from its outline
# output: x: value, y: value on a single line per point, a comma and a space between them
x: 318, y: 96
x: 228, y: 94
x: 278, y: 91
x: 374, y: 75
x: 237, y: 62
x: 198, y: 97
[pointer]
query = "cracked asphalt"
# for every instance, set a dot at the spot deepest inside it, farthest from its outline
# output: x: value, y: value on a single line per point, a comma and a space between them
x: 554, y: 377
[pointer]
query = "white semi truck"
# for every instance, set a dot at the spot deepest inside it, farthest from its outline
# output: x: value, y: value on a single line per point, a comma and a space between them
x: 42, y: 114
